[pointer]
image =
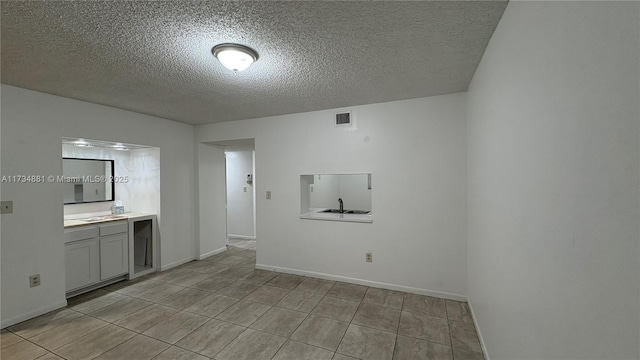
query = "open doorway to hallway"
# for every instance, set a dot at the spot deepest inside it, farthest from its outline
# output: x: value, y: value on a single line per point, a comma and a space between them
x: 226, y: 217
x: 240, y: 195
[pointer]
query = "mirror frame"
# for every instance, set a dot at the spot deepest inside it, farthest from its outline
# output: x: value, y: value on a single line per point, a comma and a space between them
x: 113, y: 183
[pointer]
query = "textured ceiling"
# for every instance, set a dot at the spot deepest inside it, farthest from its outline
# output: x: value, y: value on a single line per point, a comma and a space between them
x: 154, y: 57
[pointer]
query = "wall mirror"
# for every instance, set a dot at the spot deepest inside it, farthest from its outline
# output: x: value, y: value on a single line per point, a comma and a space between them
x: 87, y: 180
x: 321, y: 193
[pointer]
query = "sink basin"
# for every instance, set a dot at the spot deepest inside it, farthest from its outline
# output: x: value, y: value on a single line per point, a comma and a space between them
x: 355, y: 212
x: 360, y: 212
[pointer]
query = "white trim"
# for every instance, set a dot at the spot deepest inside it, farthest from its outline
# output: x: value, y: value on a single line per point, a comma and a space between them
x: 253, y: 187
x: 241, y: 237
x: 376, y: 284
x: 31, y: 314
x: 475, y: 323
x: 184, y: 261
x: 175, y: 263
x: 213, y: 252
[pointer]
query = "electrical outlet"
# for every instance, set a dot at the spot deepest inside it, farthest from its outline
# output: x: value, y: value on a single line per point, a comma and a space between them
x: 368, y: 257
x: 34, y: 280
x: 6, y: 207
x: 268, y: 195
x: 244, y: 188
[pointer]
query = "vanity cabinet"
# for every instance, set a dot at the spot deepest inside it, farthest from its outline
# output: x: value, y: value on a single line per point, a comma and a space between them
x: 114, y: 256
x: 114, y: 250
x: 95, y: 254
x: 82, y: 260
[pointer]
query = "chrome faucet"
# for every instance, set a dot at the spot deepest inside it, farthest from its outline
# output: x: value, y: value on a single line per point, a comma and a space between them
x: 341, y: 205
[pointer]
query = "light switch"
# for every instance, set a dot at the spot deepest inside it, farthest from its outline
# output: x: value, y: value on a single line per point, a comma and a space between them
x: 6, y: 207
x: 268, y: 195
x: 244, y: 188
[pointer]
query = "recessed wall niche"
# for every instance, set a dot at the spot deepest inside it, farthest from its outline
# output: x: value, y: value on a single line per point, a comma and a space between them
x: 137, y: 168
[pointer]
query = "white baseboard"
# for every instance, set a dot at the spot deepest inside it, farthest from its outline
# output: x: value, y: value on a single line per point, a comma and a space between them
x: 211, y: 253
x: 375, y: 284
x: 475, y: 322
x: 31, y: 314
x: 240, y: 237
x: 175, y: 263
x: 200, y: 257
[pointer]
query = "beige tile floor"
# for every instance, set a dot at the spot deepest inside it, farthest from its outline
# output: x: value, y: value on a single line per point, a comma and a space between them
x: 222, y: 308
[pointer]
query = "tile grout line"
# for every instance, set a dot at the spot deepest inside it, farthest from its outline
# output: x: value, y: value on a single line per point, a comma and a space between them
x: 395, y: 347
x: 232, y: 340
x: 135, y: 332
x: 160, y: 340
x: 349, y: 325
x: 52, y: 351
x: 27, y: 340
x: 398, y: 330
x: 446, y: 311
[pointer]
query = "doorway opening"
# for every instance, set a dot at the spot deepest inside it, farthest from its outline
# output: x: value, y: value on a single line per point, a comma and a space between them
x: 240, y: 195
x: 226, y: 212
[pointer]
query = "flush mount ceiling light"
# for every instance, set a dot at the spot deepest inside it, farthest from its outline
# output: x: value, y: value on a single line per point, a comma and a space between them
x: 234, y: 56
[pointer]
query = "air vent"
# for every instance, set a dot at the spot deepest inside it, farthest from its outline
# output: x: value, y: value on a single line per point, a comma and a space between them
x: 343, y: 119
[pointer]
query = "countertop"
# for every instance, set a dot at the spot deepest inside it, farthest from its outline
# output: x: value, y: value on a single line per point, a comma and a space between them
x: 103, y: 219
x: 316, y: 214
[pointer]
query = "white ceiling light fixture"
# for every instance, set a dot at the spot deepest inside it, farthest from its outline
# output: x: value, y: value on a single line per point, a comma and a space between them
x: 235, y: 57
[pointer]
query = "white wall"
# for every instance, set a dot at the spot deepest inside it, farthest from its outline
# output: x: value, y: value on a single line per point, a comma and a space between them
x: 210, y: 200
x: 553, y: 154
x: 239, y: 202
x: 326, y: 191
x: 355, y: 192
x: 33, y: 125
x: 144, y: 181
x: 417, y: 237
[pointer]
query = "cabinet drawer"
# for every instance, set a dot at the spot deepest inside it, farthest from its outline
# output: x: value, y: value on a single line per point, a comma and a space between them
x: 119, y: 227
x: 80, y: 234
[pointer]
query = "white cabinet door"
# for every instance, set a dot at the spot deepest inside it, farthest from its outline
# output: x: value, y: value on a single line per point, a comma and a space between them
x: 114, y: 256
x: 82, y: 259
